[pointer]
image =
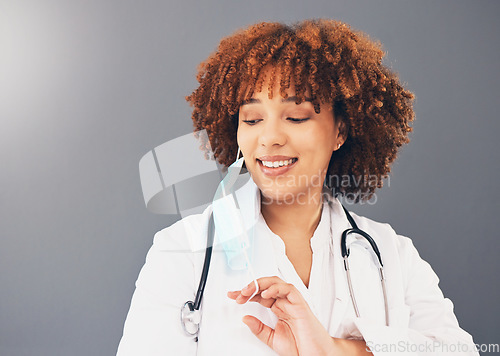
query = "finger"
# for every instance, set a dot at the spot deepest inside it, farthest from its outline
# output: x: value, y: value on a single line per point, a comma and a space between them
x: 268, y: 303
x: 239, y: 298
x: 250, y: 288
x: 262, y: 283
x: 275, y: 293
x: 266, y: 282
x: 257, y: 290
x: 250, y: 291
x: 242, y: 299
x: 263, y: 332
x: 283, y: 291
x: 233, y: 294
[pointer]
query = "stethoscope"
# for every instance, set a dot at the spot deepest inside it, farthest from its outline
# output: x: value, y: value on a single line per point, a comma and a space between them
x: 345, y: 255
x: 190, y: 312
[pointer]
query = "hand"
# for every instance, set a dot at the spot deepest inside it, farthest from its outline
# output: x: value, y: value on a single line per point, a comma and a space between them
x: 298, y: 331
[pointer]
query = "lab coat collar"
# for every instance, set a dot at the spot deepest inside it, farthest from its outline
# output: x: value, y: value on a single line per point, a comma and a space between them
x: 249, y: 200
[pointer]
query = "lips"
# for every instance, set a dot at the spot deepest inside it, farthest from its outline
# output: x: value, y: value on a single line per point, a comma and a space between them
x: 277, y: 163
x: 276, y: 171
x: 275, y: 158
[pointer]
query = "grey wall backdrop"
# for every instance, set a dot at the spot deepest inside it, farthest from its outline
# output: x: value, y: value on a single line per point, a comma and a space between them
x: 88, y: 87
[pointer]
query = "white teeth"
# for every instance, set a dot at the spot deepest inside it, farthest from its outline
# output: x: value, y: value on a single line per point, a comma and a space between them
x: 277, y: 164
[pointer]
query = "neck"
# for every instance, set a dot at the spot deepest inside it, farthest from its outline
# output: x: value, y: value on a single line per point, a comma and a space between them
x: 294, y: 221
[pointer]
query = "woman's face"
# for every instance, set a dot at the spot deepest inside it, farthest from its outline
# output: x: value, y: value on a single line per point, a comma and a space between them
x: 287, y: 147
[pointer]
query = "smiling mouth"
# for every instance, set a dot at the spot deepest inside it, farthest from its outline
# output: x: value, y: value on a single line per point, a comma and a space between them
x: 277, y: 164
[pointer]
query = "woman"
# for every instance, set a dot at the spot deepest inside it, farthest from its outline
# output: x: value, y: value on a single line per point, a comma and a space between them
x: 315, y: 115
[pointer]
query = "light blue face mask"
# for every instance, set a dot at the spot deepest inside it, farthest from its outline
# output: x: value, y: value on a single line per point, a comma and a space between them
x: 233, y: 232
x: 185, y: 186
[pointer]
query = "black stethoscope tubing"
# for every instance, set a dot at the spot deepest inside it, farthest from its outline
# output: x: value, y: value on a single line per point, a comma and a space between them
x: 355, y: 230
x: 206, y: 264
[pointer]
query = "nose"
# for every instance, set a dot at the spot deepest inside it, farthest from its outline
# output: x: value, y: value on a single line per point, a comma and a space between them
x: 273, y: 133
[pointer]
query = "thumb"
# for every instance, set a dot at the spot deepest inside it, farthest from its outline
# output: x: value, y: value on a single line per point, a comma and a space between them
x: 263, y: 332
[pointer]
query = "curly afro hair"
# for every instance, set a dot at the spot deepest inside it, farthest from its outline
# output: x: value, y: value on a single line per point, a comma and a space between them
x: 332, y: 62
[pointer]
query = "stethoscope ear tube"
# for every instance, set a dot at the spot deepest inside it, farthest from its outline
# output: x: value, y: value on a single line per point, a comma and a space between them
x: 356, y: 230
x: 343, y: 243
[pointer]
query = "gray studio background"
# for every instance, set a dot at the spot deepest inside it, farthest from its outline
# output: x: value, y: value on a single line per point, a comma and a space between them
x: 88, y: 87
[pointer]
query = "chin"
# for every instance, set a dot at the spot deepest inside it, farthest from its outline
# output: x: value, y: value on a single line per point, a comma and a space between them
x: 283, y: 195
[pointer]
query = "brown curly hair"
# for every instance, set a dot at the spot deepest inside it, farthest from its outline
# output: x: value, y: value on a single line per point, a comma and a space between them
x: 336, y: 65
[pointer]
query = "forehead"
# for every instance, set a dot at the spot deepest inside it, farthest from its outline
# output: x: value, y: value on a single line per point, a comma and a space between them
x: 271, y: 89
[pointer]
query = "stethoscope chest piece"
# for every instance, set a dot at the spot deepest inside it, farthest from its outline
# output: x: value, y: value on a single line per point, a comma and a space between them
x: 190, y: 318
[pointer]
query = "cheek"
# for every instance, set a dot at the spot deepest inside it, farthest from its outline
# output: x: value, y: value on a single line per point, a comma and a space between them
x: 244, y: 140
x: 240, y: 137
x: 317, y: 141
x: 319, y: 147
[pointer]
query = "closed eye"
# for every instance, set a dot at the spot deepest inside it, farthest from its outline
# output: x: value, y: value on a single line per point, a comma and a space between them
x: 292, y: 119
x: 297, y: 120
x: 251, y: 122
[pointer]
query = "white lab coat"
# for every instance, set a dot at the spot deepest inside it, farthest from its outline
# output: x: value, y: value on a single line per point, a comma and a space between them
x: 421, y: 319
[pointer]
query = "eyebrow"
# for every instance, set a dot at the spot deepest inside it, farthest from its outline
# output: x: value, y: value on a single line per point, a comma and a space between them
x: 287, y: 100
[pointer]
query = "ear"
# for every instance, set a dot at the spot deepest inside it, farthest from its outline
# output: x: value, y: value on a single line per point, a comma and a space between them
x: 341, y: 130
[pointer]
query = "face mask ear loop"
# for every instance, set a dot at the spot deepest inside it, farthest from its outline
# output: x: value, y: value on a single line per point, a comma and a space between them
x: 238, y: 155
x: 250, y: 268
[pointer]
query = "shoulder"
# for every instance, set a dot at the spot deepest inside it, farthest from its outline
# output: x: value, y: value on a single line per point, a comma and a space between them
x: 384, y: 234
x: 400, y: 257
x: 172, y: 259
x: 185, y: 234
